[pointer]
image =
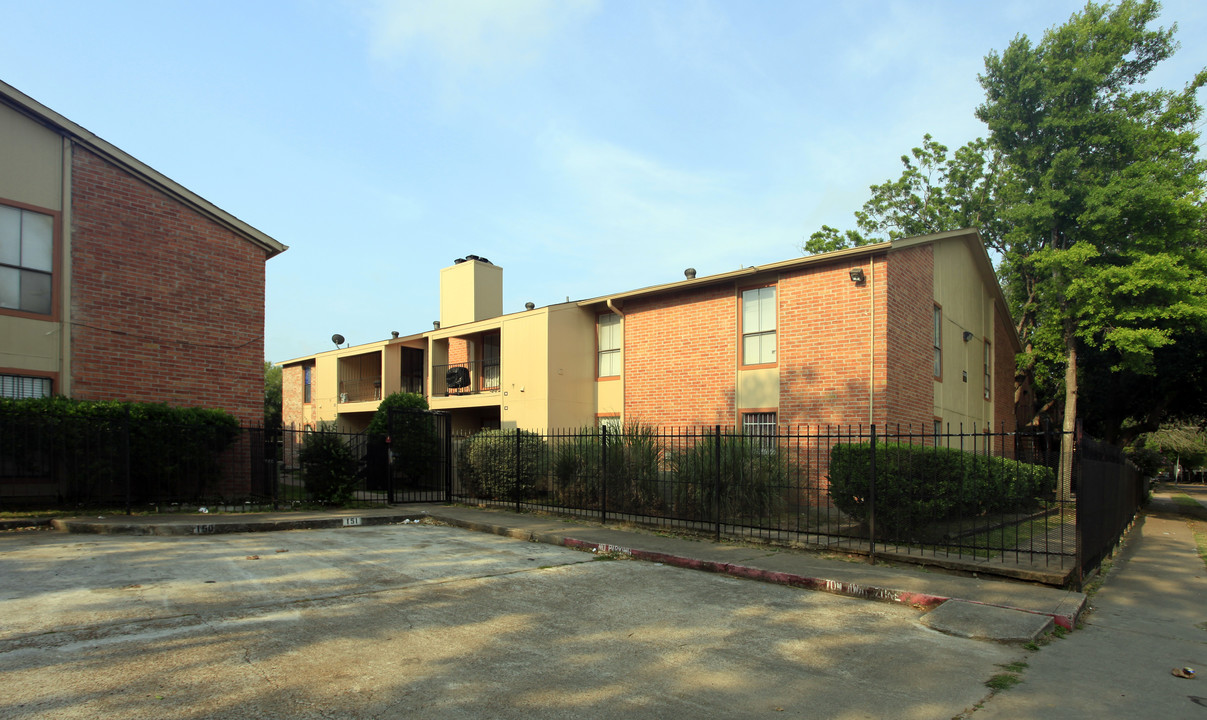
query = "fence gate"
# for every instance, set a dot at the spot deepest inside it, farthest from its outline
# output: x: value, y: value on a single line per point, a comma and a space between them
x: 419, y: 447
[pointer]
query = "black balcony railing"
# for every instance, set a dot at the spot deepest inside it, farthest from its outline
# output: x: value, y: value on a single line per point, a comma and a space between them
x: 359, y: 390
x: 467, y: 378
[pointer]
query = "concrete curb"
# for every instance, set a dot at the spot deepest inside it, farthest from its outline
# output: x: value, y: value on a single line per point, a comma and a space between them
x: 25, y: 523
x: 1065, y: 616
x: 221, y: 526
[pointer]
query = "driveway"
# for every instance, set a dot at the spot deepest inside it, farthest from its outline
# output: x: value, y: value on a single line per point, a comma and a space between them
x: 426, y: 621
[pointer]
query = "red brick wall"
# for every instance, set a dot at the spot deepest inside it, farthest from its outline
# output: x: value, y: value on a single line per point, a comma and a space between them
x: 458, y: 351
x: 825, y: 344
x: 680, y: 358
x: 910, y: 312
x: 294, y: 413
x: 167, y: 305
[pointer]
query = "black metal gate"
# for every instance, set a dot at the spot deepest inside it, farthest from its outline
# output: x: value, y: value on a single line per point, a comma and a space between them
x: 419, y: 451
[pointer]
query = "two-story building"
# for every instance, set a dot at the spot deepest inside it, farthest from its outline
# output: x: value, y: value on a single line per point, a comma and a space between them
x: 117, y: 283
x: 914, y: 331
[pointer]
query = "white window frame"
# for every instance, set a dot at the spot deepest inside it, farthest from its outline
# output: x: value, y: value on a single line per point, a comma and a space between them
x: 759, y: 326
x: 608, y: 335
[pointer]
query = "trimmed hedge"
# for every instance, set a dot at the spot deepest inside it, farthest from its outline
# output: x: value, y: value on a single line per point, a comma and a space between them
x: 918, y: 485
x: 490, y: 468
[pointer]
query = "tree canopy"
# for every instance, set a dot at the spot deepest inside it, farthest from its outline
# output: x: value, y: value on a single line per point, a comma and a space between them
x: 1090, y: 190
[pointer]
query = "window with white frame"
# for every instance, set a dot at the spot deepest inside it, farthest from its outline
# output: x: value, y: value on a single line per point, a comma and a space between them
x: 938, y: 341
x: 609, y: 345
x: 758, y: 326
x: 26, y: 260
x: 21, y: 387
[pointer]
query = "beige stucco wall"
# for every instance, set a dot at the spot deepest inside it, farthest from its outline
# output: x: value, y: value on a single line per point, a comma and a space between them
x: 967, y: 305
x: 32, y: 173
x: 524, y: 370
x: 759, y: 389
x: 572, y: 368
x: 31, y: 161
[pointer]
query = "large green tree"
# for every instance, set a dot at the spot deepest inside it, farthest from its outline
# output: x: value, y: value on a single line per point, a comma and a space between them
x: 1091, y: 192
x: 1107, y: 191
x: 272, y: 396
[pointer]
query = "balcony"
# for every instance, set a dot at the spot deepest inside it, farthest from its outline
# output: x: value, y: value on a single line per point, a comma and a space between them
x: 359, y: 390
x: 468, y: 378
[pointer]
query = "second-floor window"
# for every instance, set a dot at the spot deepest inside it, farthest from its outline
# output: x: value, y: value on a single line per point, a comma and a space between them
x: 758, y: 326
x: 26, y: 260
x: 609, y: 345
x: 307, y: 379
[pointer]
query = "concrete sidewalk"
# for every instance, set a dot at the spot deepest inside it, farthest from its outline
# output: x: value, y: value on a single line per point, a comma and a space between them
x: 970, y: 607
x: 1149, y: 617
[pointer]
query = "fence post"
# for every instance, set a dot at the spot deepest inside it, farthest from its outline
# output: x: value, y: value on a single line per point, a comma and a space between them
x: 516, y: 487
x: 872, y: 500
x: 603, y: 475
x: 448, y: 457
x: 125, y: 450
x: 716, y: 484
x: 1073, y: 479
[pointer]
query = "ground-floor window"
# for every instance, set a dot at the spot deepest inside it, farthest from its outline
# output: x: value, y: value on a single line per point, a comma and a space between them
x: 21, y: 387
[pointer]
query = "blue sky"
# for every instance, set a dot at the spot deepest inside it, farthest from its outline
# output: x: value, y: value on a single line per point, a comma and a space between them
x: 586, y: 147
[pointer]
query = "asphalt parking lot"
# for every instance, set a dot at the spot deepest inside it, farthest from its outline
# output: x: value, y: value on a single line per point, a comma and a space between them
x: 422, y: 620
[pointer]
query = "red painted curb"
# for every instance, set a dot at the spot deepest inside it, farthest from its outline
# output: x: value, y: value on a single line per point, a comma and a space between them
x: 923, y: 601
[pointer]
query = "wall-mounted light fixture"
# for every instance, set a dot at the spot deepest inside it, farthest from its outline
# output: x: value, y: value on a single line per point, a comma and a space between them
x: 857, y: 276
x: 967, y: 336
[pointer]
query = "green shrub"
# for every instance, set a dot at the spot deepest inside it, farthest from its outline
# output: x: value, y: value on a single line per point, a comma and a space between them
x: 753, y: 477
x: 629, y: 470
x: 328, y: 466
x: 173, y: 452
x: 917, y: 486
x: 491, y: 468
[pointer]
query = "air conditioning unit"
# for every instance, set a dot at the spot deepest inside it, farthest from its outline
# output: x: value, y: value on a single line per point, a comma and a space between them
x: 457, y: 377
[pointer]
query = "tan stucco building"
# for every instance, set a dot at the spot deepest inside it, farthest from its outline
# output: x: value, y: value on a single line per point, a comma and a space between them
x: 914, y: 332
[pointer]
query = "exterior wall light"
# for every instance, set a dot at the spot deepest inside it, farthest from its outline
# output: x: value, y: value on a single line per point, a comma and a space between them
x: 857, y: 276
x: 967, y: 336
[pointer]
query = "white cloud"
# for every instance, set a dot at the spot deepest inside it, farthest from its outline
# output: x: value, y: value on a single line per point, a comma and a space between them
x: 466, y: 35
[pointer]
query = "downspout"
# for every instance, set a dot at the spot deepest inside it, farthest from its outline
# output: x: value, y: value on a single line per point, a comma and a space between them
x: 64, y: 273
x: 872, y: 343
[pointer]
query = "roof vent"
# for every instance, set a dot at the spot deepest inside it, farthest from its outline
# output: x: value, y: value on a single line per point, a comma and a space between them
x: 529, y: 305
x: 690, y: 273
x: 436, y: 324
x: 394, y: 334
x: 458, y: 261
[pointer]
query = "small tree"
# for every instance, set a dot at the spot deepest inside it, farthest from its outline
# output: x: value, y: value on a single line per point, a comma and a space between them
x: 328, y: 466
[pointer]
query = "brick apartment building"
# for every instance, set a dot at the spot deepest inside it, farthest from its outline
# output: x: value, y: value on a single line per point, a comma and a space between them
x: 117, y: 283
x: 913, y: 332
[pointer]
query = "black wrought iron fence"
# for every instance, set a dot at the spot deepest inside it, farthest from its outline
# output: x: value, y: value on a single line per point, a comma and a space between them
x: 972, y: 495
